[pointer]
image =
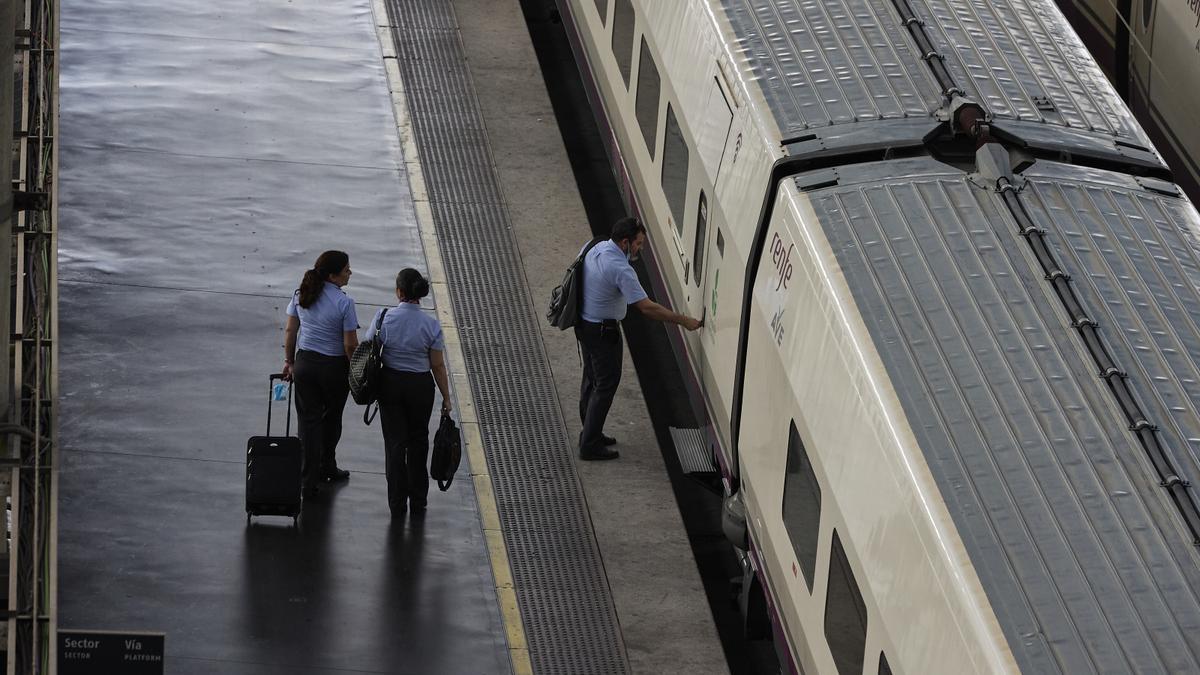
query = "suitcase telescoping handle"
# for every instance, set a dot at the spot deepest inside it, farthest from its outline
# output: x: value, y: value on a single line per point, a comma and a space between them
x: 287, y: 431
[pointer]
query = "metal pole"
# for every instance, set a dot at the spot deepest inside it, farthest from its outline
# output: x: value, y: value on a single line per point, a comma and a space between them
x: 7, y: 55
x: 8, y: 30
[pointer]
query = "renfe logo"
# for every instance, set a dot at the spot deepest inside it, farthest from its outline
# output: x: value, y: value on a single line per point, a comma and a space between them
x: 781, y: 257
x: 782, y: 260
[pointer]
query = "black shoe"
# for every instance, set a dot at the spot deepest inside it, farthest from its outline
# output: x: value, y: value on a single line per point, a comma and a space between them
x: 604, y: 440
x: 336, y: 474
x: 598, y: 454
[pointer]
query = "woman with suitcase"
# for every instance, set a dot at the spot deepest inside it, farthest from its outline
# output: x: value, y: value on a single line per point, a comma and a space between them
x: 413, y: 361
x: 321, y: 334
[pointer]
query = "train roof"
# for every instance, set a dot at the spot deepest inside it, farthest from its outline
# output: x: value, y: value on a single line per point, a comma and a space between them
x: 1087, y: 564
x: 825, y: 66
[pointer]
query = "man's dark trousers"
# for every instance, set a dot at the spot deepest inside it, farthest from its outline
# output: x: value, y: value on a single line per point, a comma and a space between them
x: 600, y: 344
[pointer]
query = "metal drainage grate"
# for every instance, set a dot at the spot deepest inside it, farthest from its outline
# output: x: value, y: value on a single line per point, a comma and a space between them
x: 567, y: 607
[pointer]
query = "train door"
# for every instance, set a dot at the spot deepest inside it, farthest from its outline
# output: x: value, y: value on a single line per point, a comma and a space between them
x: 711, y: 143
x: 1134, y: 44
x: 713, y: 139
x: 1170, y: 33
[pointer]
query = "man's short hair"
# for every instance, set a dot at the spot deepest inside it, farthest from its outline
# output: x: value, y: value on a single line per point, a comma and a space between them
x: 627, y: 228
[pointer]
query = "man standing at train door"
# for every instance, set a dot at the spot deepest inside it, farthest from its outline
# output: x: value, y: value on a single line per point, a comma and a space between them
x: 609, y: 286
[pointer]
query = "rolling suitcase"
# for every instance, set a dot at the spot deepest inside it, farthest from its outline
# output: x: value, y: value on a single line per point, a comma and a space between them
x: 273, y: 466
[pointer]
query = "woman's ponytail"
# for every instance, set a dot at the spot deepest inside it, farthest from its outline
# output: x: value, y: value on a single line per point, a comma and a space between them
x: 310, y: 288
x: 328, y: 264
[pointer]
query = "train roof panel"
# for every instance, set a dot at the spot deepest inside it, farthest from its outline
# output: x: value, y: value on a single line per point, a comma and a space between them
x: 827, y: 63
x: 1087, y: 564
x: 835, y: 62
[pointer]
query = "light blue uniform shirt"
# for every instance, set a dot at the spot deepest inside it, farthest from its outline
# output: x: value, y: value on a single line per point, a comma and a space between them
x: 610, y: 285
x: 323, y: 323
x: 408, y: 334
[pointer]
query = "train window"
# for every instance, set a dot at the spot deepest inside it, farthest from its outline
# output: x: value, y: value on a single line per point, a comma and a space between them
x: 602, y: 7
x: 701, y: 228
x: 648, y: 90
x: 675, y: 169
x: 845, y: 614
x: 801, y: 505
x: 884, y: 668
x: 622, y: 40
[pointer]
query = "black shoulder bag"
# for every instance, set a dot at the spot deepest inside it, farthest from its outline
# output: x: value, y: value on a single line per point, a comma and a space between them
x: 366, y: 369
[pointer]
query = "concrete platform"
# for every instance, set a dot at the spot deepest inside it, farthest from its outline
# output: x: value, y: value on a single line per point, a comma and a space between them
x: 209, y: 154
x: 664, y: 616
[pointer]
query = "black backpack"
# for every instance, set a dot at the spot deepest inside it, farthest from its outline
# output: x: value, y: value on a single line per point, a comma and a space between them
x: 566, y: 301
x: 447, y: 453
x: 366, y: 367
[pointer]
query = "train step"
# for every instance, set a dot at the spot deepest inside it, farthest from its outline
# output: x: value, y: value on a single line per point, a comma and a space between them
x: 695, y: 454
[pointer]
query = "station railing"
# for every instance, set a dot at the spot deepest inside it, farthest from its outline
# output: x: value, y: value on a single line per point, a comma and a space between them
x: 29, y: 327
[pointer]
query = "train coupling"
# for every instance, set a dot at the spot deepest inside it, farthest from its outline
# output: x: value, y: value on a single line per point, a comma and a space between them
x: 733, y: 521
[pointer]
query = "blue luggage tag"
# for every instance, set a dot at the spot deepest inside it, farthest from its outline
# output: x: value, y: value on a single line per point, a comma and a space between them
x: 280, y: 391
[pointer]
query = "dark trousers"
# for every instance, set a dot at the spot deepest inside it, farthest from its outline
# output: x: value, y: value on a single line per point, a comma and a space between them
x: 321, y: 388
x: 600, y: 345
x: 405, y: 404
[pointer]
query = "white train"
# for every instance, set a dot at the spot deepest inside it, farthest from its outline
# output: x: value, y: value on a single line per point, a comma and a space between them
x: 1151, y: 51
x: 951, y: 359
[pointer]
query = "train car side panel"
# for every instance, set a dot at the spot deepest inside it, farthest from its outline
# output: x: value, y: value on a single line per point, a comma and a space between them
x: 738, y: 167
x: 1172, y: 100
x: 814, y: 365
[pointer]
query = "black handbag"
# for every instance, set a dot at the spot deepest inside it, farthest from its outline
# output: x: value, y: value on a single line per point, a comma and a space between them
x: 366, y: 369
x: 447, y: 453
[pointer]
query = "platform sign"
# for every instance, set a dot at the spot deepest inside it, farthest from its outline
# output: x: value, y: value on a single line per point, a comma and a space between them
x: 103, y: 652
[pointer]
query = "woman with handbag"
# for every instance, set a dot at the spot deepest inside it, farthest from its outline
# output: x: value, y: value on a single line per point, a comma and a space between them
x: 413, y: 361
x: 321, y: 334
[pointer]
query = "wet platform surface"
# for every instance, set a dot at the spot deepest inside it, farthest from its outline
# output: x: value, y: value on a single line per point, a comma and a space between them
x: 210, y: 152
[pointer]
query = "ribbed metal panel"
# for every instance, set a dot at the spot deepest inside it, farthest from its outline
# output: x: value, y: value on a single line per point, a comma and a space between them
x: 1087, y: 565
x: 1134, y: 258
x: 823, y: 63
x: 1021, y: 60
x: 691, y: 445
x: 565, y: 601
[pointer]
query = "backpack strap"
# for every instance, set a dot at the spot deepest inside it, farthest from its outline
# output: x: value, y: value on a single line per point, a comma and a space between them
x: 583, y: 268
x: 590, y: 245
x: 379, y: 328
